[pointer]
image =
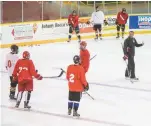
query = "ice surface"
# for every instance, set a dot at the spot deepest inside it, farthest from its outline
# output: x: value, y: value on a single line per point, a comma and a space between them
x: 117, y: 102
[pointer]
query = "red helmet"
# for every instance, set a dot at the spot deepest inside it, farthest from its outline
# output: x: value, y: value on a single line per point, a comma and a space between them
x: 26, y: 55
x: 83, y: 44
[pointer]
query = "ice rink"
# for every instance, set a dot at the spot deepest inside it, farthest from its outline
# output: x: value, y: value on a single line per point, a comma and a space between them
x: 117, y: 102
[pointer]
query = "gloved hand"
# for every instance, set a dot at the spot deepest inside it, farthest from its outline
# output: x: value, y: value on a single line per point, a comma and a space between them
x: 116, y: 22
x: 105, y: 22
x: 38, y: 77
x: 15, y: 78
x: 125, y: 57
x: 88, y: 22
x: 86, y: 88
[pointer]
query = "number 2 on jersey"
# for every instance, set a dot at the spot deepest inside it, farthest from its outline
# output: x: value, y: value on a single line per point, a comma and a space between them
x: 71, y: 79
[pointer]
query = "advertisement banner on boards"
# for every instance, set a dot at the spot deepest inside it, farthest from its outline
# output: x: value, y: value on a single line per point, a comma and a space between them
x: 140, y: 22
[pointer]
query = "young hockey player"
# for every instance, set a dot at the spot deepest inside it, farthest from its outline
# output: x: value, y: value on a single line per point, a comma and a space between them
x: 23, y: 72
x: 98, y: 20
x: 11, y: 59
x: 84, y: 56
x: 77, y: 84
x: 73, y: 21
x: 129, y: 53
x: 121, y: 21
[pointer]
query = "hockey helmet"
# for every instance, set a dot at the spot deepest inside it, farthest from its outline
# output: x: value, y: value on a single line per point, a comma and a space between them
x: 83, y: 45
x: 76, y: 59
x: 124, y: 10
x: 26, y: 55
x: 14, y: 48
x: 74, y: 12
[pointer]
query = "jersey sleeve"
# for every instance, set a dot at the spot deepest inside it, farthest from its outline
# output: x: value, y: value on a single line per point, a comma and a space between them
x: 67, y: 74
x: 91, y: 20
x: 136, y: 44
x: 83, y: 78
x: 125, y: 47
x: 16, y: 69
x: 118, y: 15
x: 32, y: 69
x: 103, y: 17
x: 6, y: 61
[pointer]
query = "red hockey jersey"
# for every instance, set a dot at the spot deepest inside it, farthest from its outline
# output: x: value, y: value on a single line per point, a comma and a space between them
x: 24, y: 70
x: 85, y: 59
x: 73, y: 20
x: 122, y: 18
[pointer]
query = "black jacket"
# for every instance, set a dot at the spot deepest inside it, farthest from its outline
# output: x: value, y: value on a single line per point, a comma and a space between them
x: 129, y: 46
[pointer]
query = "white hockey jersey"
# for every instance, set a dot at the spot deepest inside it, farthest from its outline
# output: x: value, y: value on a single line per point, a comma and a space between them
x: 11, y: 60
x: 97, y: 17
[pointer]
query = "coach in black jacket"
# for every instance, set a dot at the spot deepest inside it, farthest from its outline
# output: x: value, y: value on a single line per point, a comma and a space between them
x: 129, y: 53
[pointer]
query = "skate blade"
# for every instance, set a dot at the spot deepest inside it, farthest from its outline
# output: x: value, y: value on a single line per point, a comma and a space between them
x: 76, y: 117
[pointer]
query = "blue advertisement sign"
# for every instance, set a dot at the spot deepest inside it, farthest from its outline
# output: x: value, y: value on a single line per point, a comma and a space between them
x: 140, y: 22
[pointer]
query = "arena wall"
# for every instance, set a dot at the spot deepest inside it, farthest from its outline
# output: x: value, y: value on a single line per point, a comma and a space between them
x: 52, y: 31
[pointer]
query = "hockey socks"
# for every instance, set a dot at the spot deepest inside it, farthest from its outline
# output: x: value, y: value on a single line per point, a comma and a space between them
x: 70, y: 104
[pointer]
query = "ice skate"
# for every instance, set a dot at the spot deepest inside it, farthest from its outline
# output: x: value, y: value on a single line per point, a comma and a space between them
x: 69, y: 111
x: 96, y: 39
x: 100, y: 38
x: 69, y: 40
x: 117, y: 37
x: 75, y: 114
x: 135, y: 79
x: 12, y: 97
x: 26, y: 105
x: 127, y: 78
x: 17, y: 104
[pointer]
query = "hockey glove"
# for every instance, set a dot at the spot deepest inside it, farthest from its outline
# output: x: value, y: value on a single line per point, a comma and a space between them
x: 86, y: 88
x: 116, y: 22
x: 15, y: 79
x: 105, y: 22
x: 38, y: 77
x: 125, y: 57
x: 88, y: 22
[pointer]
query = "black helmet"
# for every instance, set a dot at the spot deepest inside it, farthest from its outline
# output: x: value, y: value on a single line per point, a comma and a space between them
x: 14, y: 48
x: 76, y: 59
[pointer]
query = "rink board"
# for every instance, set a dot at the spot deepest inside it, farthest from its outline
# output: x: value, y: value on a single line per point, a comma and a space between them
x: 38, y: 32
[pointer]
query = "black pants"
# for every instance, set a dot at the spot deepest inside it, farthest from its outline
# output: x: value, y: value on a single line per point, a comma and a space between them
x: 121, y: 26
x: 76, y: 29
x: 131, y: 68
x: 97, y: 27
x: 75, y: 96
x: 12, y: 84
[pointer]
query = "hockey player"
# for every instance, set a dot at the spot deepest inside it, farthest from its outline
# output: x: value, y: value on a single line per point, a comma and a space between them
x: 73, y: 21
x: 11, y: 59
x: 121, y: 21
x: 97, y: 19
x: 77, y: 84
x: 129, y: 53
x: 23, y: 72
x: 84, y: 56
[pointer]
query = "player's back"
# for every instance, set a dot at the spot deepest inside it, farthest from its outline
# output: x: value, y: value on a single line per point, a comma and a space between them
x: 76, y: 78
x: 85, y: 57
x: 24, y: 68
x: 11, y: 60
x: 98, y: 17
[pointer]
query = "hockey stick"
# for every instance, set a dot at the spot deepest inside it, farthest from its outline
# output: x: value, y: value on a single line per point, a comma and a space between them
x: 93, y: 57
x: 89, y: 95
x: 127, y: 65
x: 62, y: 71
